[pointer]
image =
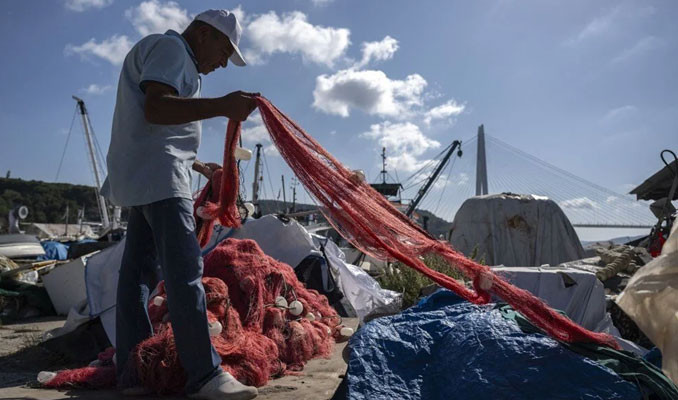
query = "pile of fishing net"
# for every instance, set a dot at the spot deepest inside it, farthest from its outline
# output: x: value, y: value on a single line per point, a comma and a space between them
x: 263, y: 323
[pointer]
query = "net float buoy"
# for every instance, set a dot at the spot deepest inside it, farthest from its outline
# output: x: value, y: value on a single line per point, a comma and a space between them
x: 296, y: 308
x: 346, y: 331
x: 158, y: 300
x: 250, y: 208
x: 214, y: 328
x: 310, y: 317
x: 45, y: 376
x: 242, y: 154
x: 280, y: 302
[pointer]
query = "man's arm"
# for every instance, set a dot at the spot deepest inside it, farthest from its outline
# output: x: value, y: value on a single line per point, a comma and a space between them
x: 162, y: 106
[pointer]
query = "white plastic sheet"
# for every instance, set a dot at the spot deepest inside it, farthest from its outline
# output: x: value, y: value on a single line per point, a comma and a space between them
x: 651, y: 300
x: 515, y: 230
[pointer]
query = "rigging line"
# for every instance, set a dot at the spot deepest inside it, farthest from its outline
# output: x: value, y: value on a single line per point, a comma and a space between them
x: 448, y: 170
x: 268, y: 173
x: 428, y: 163
x: 75, y: 112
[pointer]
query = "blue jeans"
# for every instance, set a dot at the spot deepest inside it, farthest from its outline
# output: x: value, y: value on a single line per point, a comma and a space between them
x: 164, y: 232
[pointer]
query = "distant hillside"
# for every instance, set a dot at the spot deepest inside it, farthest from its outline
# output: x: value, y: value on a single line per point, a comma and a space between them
x: 46, y: 202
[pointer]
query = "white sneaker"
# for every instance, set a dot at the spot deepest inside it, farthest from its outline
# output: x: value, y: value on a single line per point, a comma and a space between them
x: 225, y: 387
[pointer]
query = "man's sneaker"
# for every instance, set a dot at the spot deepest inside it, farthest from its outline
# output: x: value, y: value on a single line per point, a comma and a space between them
x: 225, y: 387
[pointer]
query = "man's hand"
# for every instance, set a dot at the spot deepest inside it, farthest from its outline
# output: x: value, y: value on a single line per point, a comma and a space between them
x: 206, y: 169
x: 238, y: 105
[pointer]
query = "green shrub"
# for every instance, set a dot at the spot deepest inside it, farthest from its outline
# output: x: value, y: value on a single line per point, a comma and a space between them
x: 405, y: 280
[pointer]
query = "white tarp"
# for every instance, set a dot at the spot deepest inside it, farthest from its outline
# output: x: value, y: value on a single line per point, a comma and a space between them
x: 515, y: 230
x: 651, y: 300
x: 577, y: 293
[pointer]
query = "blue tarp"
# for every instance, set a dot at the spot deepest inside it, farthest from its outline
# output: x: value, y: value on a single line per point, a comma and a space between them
x: 446, y: 348
x: 54, y: 251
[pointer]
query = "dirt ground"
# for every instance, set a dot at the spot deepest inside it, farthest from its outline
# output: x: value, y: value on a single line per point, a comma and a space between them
x: 22, y: 357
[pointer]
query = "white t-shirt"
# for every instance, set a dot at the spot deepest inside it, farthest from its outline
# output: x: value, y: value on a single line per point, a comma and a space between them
x: 148, y: 162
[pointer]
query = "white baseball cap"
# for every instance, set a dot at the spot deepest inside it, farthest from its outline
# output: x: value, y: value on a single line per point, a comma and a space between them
x: 226, y: 22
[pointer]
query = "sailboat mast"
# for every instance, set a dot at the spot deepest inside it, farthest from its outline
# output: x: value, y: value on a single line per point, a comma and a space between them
x: 101, y: 202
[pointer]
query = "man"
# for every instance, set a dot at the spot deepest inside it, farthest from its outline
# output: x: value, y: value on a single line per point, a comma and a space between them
x: 154, y: 141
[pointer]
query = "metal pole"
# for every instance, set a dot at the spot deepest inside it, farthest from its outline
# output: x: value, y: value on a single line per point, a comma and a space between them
x: 255, y: 184
x: 103, y: 211
x: 282, y: 178
x: 383, y: 165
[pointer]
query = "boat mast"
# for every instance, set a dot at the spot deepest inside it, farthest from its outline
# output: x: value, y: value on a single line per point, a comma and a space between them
x: 257, y: 175
x: 101, y: 202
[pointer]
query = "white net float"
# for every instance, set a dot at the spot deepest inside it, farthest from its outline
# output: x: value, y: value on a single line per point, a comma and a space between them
x: 158, y: 300
x: 242, y: 154
x: 280, y: 302
x: 214, y: 328
x: 346, y: 331
x: 45, y: 376
x: 296, y: 308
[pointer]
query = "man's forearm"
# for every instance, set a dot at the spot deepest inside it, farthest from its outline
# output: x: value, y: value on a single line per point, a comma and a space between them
x: 173, y: 110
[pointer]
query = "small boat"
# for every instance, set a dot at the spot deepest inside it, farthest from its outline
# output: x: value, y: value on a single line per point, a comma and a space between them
x: 18, y: 245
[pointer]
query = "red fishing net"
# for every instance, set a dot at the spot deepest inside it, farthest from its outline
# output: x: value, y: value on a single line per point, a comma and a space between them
x: 257, y: 340
x: 373, y: 225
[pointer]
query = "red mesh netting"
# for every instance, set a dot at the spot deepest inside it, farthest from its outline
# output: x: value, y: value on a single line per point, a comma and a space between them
x: 257, y: 341
x: 373, y: 225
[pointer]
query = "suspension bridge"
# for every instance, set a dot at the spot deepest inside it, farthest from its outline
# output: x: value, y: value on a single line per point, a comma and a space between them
x: 490, y: 165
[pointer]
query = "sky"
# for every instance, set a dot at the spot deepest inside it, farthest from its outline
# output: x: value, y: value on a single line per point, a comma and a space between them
x: 589, y: 87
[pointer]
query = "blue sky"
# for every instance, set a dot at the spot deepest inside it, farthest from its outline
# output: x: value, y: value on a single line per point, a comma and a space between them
x: 588, y: 86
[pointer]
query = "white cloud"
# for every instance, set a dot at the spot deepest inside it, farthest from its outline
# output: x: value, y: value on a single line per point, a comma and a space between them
x: 642, y: 46
x: 271, y: 150
x: 378, y: 51
x: 113, y: 49
x: 321, y: 2
x: 462, y: 179
x: 619, y: 113
x: 155, y: 17
x: 405, y: 140
x: 95, y: 89
x: 446, y: 110
x: 83, y: 5
x: 256, y: 131
x: 370, y: 91
x: 612, y: 21
x: 240, y: 14
x: 292, y: 33
x: 579, y: 203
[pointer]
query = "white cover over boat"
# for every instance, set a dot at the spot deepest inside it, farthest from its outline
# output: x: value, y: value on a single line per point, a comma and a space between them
x: 515, y: 230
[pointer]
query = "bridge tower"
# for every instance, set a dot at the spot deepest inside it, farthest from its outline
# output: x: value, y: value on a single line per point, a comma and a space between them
x: 481, y: 164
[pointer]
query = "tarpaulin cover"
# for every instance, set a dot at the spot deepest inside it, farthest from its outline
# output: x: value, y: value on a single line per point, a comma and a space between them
x: 54, y: 251
x: 446, y: 348
x: 515, y: 230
